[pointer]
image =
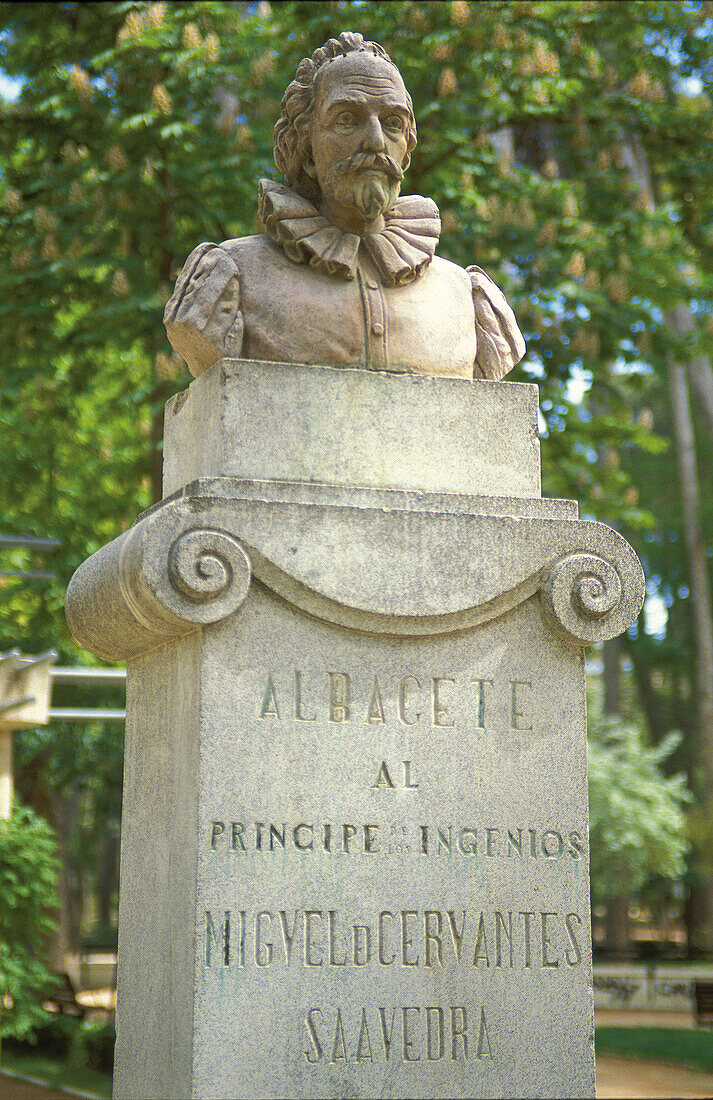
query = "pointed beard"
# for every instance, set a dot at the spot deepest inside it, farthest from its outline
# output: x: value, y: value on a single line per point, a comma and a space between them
x: 371, y: 193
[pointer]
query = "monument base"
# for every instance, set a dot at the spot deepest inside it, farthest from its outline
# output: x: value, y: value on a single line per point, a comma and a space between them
x: 388, y: 892
x: 354, y: 836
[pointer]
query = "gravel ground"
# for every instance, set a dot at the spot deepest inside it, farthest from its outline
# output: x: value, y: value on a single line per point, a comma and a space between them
x: 626, y: 1078
x: 617, y: 1079
x: 13, y: 1087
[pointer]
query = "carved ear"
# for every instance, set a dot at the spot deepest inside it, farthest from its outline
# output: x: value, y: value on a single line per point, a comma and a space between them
x: 309, y: 169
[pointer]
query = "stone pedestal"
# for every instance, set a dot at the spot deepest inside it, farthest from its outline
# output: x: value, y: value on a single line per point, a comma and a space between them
x: 354, y: 838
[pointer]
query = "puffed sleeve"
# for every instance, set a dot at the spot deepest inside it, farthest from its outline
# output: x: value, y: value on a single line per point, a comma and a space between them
x: 500, y: 342
x: 202, y: 317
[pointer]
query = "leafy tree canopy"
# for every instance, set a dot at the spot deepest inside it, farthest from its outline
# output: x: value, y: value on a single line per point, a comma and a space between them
x: 637, y: 826
x: 567, y: 145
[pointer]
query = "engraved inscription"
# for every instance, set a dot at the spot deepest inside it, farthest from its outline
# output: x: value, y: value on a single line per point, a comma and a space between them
x: 403, y: 781
x: 517, y: 689
x: 530, y: 939
x: 378, y: 838
x: 408, y: 1033
x: 473, y: 702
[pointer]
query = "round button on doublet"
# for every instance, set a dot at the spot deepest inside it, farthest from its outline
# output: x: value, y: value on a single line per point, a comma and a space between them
x: 377, y: 329
x: 372, y: 285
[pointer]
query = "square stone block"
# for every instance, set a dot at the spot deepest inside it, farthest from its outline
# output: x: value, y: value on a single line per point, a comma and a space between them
x: 273, y: 421
x: 359, y: 864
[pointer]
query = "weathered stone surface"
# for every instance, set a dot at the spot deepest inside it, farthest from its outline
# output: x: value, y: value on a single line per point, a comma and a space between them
x: 482, y: 735
x: 356, y: 730
x: 164, y: 745
x: 271, y: 421
x: 387, y: 565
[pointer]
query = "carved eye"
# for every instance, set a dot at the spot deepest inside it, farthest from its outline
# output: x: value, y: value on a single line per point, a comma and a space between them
x: 394, y: 122
x: 345, y: 118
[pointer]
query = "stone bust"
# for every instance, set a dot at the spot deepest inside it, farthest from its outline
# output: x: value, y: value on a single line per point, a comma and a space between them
x: 346, y: 274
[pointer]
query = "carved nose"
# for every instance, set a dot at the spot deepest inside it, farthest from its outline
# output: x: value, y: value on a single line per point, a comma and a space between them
x: 374, y: 137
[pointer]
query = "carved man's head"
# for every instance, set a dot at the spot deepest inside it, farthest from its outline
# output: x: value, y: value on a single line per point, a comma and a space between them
x: 347, y: 129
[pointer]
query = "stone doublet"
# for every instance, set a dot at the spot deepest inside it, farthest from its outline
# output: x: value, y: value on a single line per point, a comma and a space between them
x: 315, y: 317
x: 308, y: 292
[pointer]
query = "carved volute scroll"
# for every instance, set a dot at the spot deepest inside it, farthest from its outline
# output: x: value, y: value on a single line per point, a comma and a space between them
x: 158, y: 581
x: 209, y: 574
x: 583, y: 596
x: 189, y: 563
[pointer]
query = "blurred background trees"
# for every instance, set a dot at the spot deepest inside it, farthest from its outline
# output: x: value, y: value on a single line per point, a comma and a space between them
x: 568, y: 147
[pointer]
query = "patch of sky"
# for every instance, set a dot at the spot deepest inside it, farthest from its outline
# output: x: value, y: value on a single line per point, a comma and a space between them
x: 671, y: 49
x: 579, y: 383
x: 535, y: 367
x: 634, y: 366
x: 691, y: 85
x: 595, y: 665
x: 655, y: 611
x: 10, y: 86
x: 589, y: 452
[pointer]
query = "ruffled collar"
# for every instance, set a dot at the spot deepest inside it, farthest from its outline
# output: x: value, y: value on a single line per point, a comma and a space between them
x: 400, y: 251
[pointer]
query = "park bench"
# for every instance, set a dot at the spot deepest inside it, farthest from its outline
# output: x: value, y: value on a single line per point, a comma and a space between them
x: 703, y: 993
x: 63, y: 1000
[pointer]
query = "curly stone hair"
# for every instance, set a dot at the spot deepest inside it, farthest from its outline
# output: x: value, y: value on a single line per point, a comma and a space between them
x: 293, y: 129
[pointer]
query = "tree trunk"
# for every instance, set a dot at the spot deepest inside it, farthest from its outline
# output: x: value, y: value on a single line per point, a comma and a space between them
x: 633, y: 159
x: 700, y: 373
x: 611, y: 651
x: 617, y: 926
x: 698, y: 567
x: 701, y: 908
x: 656, y: 717
x: 681, y: 322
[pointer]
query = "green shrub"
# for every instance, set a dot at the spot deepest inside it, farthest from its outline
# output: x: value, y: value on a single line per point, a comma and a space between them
x: 636, y: 811
x: 54, y: 1039
x: 82, y: 1044
x: 98, y: 1041
x: 28, y: 894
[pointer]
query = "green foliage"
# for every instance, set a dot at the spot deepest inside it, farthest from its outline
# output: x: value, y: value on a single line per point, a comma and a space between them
x: 28, y: 888
x: 98, y: 1041
x: 79, y: 1044
x: 636, y: 816
x: 142, y: 128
